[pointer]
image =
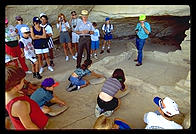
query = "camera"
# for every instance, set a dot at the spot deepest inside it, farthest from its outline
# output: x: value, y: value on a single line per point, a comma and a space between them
x: 74, y: 26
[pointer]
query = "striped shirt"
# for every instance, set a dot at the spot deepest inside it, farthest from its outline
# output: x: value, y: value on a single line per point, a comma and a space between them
x: 111, y: 86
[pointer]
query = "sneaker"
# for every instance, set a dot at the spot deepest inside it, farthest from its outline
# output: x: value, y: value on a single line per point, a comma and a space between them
x: 41, y: 70
x: 95, y: 56
x: 101, y: 51
x: 98, y: 111
x: 66, y: 58
x: 34, y: 75
x: 74, y: 58
x: 108, y: 50
x: 138, y: 64
x: 50, y: 68
x: 28, y: 72
x: 38, y: 76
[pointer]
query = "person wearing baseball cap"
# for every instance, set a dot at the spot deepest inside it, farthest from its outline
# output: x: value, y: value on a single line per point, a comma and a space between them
x: 45, y: 95
x: 142, y: 30
x: 162, y: 119
x: 27, y: 50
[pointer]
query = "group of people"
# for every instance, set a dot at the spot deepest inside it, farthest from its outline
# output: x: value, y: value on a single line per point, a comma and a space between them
x: 34, y: 42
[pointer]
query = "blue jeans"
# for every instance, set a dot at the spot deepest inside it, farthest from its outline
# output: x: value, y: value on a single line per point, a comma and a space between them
x: 140, y: 45
x: 76, y: 81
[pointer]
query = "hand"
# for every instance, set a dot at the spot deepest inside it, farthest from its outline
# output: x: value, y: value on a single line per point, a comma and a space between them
x: 142, y: 24
x: 62, y: 104
x: 22, y: 55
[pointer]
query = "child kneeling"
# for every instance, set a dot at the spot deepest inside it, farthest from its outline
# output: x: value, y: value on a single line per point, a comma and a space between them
x: 45, y: 94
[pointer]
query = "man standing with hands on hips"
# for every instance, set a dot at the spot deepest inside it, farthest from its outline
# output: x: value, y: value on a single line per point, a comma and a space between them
x: 142, y: 31
x: 84, y: 29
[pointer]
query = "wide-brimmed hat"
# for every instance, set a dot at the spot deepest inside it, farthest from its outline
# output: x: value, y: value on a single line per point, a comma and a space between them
x: 49, y: 82
x: 84, y: 13
x: 170, y: 109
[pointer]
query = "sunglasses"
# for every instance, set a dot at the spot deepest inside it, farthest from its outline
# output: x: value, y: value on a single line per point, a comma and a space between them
x: 74, y: 14
x: 19, y: 20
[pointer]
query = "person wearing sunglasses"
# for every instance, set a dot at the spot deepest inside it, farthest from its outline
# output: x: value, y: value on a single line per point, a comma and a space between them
x: 75, y: 37
x: 162, y: 118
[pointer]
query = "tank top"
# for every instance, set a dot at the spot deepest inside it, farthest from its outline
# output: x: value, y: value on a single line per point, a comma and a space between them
x: 39, y: 43
x: 37, y: 116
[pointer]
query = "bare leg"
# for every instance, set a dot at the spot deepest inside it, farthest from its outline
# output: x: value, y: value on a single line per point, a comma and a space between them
x: 65, y: 49
x: 47, y: 58
x: 70, y: 49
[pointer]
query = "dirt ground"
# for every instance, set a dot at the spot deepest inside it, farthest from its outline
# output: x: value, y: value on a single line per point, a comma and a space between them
x: 80, y: 114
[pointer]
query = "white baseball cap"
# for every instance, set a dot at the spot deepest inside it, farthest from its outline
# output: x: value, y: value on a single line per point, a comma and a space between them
x: 170, y: 109
x: 42, y: 14
x: 25, y: 30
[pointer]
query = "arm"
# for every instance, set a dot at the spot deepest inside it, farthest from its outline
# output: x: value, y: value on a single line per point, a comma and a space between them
x: 33, y: 36
x: 145, y: 29
x: 22, y: 110
x: 55, y: 99
x: 96, y: 75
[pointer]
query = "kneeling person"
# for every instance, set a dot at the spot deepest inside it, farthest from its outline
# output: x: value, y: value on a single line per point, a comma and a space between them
x: 45, y: 94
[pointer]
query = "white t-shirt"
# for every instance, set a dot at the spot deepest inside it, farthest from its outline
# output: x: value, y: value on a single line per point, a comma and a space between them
x: 48, y: 28
x: 63, y: 28
x: 95, y: 36
x: 155, y: 121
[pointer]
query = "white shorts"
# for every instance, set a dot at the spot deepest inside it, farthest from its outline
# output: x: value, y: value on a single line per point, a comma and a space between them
x: 41, y: 51
x: 32, y: 59
x: 75, y: 37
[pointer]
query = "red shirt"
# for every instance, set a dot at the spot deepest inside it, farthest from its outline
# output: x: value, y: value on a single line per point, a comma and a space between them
x: 36, y: 114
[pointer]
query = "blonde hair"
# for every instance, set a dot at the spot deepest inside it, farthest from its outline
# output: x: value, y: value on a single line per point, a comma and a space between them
x: 103, y: 122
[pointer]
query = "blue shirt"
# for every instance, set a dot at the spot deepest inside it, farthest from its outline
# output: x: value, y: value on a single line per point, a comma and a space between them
x: 18, y: 27
x: 141, y: 33
x: 81, y: 26
x: 80, y: 72
x: 41, y: 96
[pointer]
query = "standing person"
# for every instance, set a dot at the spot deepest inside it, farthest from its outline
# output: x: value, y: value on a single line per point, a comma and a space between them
x: 49, y: 33
x: 95, y: 41
x: 40, y: 43
x: 19, y: 25
x: 45, y: 94
x: 84, y: 29
x: 75, y: 37
x: 162, y: 119
x: 11, y: 46
x: 107, y: 31
x: 107, y: 103
x: 142, y: 30
x: 63, y: 27
x: 28, y: 51
x: 23, y: 111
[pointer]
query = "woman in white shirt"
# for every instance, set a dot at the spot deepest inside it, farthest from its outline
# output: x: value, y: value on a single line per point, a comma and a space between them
x: 63, y: 27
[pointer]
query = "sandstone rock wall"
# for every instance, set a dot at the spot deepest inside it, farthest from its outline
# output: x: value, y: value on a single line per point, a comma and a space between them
x: 97, y: 12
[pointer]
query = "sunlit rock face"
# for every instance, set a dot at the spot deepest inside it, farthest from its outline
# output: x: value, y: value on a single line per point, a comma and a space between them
x: 97, y: 13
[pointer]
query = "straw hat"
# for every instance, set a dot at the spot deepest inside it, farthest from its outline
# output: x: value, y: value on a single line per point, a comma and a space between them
x: 84, y: 13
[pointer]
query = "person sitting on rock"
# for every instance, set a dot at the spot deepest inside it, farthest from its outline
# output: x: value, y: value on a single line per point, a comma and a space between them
x: 76, y: 79
x: 107, y: 103
x: 162, y: 119
x: 104, y: 122
x: 45, y: 94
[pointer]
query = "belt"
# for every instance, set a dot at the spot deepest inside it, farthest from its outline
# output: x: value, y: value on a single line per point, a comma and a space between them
x: 84, y: 36
x: 64, y: 31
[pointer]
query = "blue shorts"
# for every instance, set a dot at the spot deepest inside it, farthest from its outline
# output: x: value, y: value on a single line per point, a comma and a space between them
x: 108, y: 37
x: 76, y: 81
x: 94, y: 45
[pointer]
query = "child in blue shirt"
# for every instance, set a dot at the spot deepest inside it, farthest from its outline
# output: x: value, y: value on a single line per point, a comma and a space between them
x: 19, y: 25
x: 95, y: 41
